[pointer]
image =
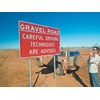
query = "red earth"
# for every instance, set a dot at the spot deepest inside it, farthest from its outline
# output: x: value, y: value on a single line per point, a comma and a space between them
x: 14, y: 72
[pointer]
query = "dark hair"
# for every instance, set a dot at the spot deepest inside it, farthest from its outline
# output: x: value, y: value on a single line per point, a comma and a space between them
x: 97, y: 48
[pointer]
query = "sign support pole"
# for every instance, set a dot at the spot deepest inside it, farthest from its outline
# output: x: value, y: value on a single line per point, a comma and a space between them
x: 30, y: 71
x: 54, y: 68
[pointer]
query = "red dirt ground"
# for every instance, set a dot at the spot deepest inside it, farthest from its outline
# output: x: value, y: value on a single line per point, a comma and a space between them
x: 14, y: 72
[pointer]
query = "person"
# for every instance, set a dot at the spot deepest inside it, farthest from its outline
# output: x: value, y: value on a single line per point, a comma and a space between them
x: 93, y: 62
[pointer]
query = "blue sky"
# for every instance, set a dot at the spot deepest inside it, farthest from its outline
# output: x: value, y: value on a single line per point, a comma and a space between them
x: 77, y: 29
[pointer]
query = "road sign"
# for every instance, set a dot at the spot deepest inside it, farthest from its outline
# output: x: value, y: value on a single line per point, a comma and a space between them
x: 38, y: 40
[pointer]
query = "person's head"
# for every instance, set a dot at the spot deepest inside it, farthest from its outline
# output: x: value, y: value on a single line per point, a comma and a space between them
x: 96, y: 50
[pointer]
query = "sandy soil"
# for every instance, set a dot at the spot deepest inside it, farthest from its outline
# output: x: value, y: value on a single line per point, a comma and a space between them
x: 14, y: 72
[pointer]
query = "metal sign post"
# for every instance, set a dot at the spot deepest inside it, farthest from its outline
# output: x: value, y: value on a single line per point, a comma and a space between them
x: 30, y: 71
x: 54, y: 68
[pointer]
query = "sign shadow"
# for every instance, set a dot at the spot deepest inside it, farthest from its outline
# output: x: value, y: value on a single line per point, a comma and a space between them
x: 76, y: 76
